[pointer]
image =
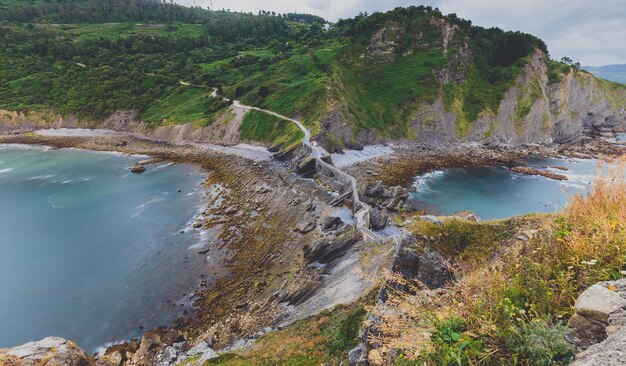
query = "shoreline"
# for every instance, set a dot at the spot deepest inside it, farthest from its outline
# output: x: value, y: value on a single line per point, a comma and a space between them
x: 181, y: 300
x: 241, y: 175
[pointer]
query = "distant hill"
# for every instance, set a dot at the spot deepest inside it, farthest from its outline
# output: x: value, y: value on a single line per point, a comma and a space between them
x: 410, y: 73
x: 615, y: 73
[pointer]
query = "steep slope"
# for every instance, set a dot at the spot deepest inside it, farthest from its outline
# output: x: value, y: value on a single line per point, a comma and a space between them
x: 409, y: 74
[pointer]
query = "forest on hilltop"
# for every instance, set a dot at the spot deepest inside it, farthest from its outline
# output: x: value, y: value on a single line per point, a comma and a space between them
x: 92, y: 58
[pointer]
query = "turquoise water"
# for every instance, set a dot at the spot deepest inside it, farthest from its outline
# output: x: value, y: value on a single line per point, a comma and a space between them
x: 496, y: 192
x: 90, y: 251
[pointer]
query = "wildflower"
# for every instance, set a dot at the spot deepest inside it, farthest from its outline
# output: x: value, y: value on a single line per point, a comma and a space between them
x: 612, y: 288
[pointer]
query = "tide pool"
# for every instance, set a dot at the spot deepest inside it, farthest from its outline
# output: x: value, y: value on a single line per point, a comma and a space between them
x: 89, y: 251
x: 496, y: 192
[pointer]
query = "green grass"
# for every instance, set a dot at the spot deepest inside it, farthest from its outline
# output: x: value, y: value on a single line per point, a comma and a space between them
x: 182, y: 104
x: 262, y: 127
x: 382, y: 96
x: 90, y: 32
x: 323, y: 339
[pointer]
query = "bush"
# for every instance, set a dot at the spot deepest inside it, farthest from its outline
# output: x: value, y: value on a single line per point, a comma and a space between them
x: 541, y: 344
x: 452, y: 346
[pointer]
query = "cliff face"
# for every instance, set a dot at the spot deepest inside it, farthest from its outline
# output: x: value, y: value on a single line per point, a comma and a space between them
x: 542, y: 104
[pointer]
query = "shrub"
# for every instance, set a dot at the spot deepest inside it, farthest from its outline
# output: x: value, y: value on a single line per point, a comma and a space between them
x: 541, y: 343
x: 511, y: 305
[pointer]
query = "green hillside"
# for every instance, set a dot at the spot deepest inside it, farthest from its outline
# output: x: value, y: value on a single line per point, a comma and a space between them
x: 375, y: 69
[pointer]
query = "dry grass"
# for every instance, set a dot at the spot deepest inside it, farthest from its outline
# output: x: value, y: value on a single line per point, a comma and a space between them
x: 535, y: 284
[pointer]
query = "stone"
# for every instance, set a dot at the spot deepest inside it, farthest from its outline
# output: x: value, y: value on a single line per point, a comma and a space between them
x: 467, y: 215
x: 611, y: 352
x: 305, y: 225
x: 585, y: 332
x: 49, y: 351
x: 330, y: 223
x: 328, y: 250
x: 432, y: 219
x: 354, y: 356
x: 378, y: 219
x: 598, y: 302
x: 137, y: 168
x: 307, y: 167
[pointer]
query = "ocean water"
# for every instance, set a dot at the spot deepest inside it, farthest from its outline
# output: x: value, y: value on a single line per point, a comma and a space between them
x: 89, y: 251
x: 496, y: 192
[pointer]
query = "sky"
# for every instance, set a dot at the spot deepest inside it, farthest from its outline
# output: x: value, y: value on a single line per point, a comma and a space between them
x: 592, y: 32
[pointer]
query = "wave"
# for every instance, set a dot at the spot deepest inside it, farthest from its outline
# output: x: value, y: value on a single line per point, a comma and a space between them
x: 141, y: 208
x: 422, y: 182
x: 6, y: 170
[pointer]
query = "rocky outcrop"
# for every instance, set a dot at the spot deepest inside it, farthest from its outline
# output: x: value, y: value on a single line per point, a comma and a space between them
x: 52, y: 351
x: 599, y: 325
x: 532, y: 171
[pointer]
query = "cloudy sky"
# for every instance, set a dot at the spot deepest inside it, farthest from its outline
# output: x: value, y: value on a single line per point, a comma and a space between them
x: 592, y: 32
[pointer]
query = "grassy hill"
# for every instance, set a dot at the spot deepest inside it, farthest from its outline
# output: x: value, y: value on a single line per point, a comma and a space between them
x: 365, y: 78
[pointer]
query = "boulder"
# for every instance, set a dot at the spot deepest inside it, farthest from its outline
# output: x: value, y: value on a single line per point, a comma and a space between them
x: 330, y: 223
x: 395, y: 197
x: 467, y: 215
x: 599, y: 325
x: 598, y: 303
x: 378, y: 219
x: 48, y: 351
x: 307, y: 167
x: 429, y: 267
x: 305, y: 225
x: 374, y: 190
x: 137, y: 168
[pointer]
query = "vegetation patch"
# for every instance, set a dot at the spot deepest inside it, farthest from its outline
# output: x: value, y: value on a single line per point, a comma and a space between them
x: 514, y: 304
x: 323, y: 339
x: 263, y: 127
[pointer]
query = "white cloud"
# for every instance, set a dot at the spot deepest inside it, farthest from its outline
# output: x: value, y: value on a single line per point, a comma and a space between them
x: 591, y: 32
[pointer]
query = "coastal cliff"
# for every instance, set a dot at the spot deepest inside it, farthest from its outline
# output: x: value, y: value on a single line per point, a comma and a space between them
x: 411, y: 74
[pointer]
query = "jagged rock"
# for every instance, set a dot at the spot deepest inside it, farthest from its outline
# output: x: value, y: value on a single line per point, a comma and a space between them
x: 467, y: 215
x: 307, y: 167
x: 330, y: 223
x: 375, y: 189
x: 378, y: 219
x: 326, y: 251
x: 430, y: 268
x: 432, y: 219
x: 152, y: 341
x: 532, y: 171
x: 305, y: 225
x: 354, y: 356
x: 395, y: 197
x: 48, y: 351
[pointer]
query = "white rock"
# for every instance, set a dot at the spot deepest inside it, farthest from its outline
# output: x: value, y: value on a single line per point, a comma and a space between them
x: 598, y: 302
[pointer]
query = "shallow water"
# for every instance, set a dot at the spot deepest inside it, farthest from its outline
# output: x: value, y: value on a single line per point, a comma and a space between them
x: 619, y: 138
x: 496, y: 192
x: 90, y: 251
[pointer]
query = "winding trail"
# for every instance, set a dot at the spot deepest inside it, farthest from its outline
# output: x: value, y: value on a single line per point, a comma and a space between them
x: 360, y: 209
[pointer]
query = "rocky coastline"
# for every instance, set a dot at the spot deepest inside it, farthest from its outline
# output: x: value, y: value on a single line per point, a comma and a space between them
x: 285, y: 228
